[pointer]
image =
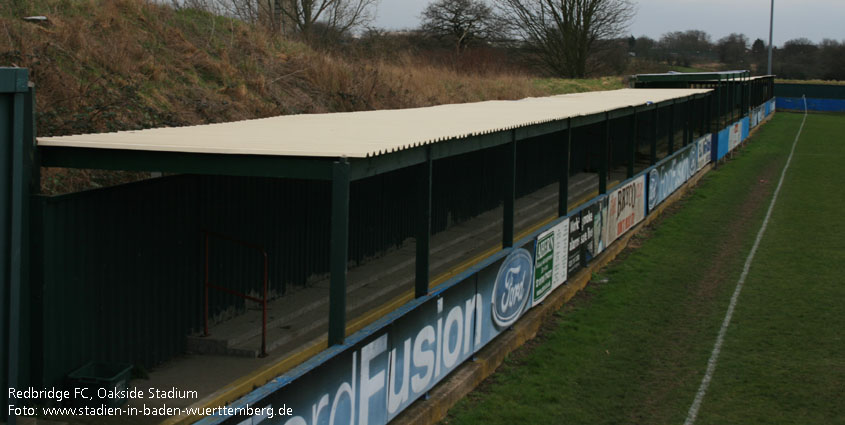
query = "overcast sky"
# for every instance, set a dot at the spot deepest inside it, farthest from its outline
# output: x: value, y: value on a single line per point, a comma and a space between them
x: 813, y: 19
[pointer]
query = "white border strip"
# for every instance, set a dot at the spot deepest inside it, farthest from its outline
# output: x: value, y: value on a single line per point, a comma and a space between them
x: 717, y: 348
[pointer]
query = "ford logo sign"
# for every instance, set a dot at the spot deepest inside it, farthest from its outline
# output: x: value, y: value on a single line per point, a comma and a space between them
x: 653, y: 187
x: 512, y: 288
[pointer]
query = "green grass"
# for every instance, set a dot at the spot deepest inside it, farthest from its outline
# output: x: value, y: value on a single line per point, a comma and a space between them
x: 826, y: 82
x: 679, y: 68
x: 555, y: 86
x: 783, y: 360
x: 634, y: 349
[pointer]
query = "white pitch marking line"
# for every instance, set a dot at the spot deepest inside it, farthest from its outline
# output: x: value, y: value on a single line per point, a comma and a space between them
x: 717, y: 348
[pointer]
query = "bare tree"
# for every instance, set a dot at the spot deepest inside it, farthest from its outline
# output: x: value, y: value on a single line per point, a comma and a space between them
x: 564, y: 33
x: 461, y: 22
x: 339, y: 16
x: 294, y: 17
x: 732, y: 50
x: 686, y: 46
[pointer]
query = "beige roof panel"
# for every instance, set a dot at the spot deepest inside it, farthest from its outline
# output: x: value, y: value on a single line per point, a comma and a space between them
x: 368, y: 133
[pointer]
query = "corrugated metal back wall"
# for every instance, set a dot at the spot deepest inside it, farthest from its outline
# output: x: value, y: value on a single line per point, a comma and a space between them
x: 119, y: 271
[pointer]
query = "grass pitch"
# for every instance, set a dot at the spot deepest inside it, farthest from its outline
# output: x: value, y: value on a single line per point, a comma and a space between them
x: 634, y: 348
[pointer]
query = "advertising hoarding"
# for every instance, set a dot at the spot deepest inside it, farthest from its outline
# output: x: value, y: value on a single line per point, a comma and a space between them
x: 594, y: 228
x: 551, y: 260
x: 577, y: 239
x: 371, y: 380
x: 735, y: 135
x: 625, y: 207
x: 705, y: 150
x: 671, y: 173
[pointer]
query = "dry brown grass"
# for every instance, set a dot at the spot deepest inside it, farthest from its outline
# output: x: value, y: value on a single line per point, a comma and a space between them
x: 824, y: 82
x: 108, y: 65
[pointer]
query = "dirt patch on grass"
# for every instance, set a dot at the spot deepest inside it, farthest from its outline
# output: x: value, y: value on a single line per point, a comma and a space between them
x: 668, y: 373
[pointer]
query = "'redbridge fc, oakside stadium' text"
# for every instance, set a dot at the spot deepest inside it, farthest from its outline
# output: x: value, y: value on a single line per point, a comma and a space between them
x: 59, y: 395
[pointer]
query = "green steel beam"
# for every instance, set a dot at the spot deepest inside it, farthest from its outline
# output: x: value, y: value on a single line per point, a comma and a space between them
x: 719, y: 106
x: 6, y: 155
x: 632, y: 144
x: 16, y: 136
x: 687, y: 76
x: 685, y: 115
x: 653, y: 150
x: 671, y: 127
x: 603, y: 154
x: 424, y: 181
x: 543, y: 129
x: 366, y: 167
x: 14, y: 80
x: 189, y: 163
x: 563, y: 181
x: 339, y: 251
x: 509, y: 194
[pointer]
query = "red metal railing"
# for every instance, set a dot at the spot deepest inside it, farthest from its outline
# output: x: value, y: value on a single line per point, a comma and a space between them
x: 263, y: 300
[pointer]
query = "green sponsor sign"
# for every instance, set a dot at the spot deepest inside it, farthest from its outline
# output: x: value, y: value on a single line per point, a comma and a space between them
x: 550, y: 260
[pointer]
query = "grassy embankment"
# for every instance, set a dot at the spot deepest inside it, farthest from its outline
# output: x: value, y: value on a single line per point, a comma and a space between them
x: 634, y: 348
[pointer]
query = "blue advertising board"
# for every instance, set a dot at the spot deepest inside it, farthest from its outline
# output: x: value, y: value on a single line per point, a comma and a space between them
x: 746, y: 128
x: 722, y: 143
x: 671, y: 173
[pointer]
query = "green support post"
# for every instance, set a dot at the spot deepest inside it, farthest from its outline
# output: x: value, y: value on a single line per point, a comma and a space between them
x: 424, y: 226
x: 16, y: 157
x: 509, y: 193
x: 671, y: 127
x: 339, y: 251
x: 731, y: 99
x: 563, y: 181
x: 686, y: 130
x: 690, y: 116
x: 632, y: 144
x: 653, y: 151
x: 603, y: 145
x: 719, y: 105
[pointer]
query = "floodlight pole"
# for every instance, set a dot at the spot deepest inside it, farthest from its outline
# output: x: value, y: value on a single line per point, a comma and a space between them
x: 771, y: 26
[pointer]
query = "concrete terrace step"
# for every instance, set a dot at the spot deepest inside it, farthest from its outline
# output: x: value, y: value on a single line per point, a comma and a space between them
x: 303, y: 314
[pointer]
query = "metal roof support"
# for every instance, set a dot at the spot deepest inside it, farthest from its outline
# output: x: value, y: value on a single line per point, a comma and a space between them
x: 509, y: 193
x: 698, y: 116
x: 653, y: 152
x: 719, y: 105
x: 339, y: 251
x: 708, y: 115
x: 690, y: 125
x: 423, y: 226
x: 632, y: 144
x: 603, y: 148
x: 732, y: 99
x: 671, y: 127
x: 685, y: 121
x: 16, y: 142
x: 563, y: 181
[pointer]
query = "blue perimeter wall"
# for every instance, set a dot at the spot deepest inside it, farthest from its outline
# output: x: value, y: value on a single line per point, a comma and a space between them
x: 820, y: 97
x: 813, y: 104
